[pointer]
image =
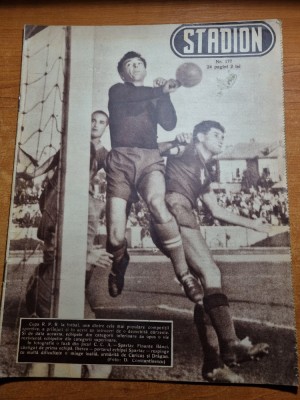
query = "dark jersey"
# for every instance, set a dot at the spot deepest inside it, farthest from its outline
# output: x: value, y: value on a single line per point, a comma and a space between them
x: 188, y: 175
x: 135, y: 111
x: 97, y: 160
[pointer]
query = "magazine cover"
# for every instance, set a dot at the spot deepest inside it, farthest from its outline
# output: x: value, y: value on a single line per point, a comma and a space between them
x: 149, y: 224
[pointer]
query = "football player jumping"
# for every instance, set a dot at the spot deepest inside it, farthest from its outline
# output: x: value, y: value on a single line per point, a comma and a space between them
x: 135, y: 165
x: 187, y: 179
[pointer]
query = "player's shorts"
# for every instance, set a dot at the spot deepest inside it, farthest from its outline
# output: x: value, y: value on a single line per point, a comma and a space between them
x: 126, y: 168
x: 181, y: 208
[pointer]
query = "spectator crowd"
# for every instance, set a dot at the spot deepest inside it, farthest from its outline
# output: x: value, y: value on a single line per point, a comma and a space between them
x: 262, y: 201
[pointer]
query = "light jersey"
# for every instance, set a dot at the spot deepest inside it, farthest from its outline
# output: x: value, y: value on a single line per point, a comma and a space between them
x: 188, y: 175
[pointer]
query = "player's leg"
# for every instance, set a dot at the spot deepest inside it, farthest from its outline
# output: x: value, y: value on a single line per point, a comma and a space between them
x: 40, y: 285
x: 116, y: 243
x: 194, y: 245
x: 152, y: 189
x: 39, y: 293
x: 203, y: 266
x: 120, y: 178
x: 213, y: 367
x: 233, y: 350
x: 216, y: 304
x: 208, y: 339
x: 200, y: 260
x: 95, y: 206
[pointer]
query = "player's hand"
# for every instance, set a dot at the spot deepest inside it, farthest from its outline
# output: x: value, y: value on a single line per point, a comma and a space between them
x: 100, y: 258
x: 261, y: 225
x: 159, y: 82
x: 171, y: 86
x: 184, y: 138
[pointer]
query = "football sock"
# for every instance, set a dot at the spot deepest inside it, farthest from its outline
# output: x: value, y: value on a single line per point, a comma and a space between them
x: 208, y: 339
x: 118, y: 253
x: 171, y: 242
x: 216, y: 305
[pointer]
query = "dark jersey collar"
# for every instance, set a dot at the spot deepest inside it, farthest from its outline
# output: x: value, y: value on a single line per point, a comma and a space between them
x: 191, y: 151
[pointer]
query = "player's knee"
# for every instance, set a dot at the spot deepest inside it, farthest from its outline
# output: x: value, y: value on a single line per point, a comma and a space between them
x: 158, y: 208
x: 183, y: 216
x: 116, y: 237
x: 175, y: 208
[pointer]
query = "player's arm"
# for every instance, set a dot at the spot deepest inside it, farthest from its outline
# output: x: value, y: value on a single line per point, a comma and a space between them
x: 175, y: 147
x: 166, y: 114
x: 48, y: 165
x: 221, y: 213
